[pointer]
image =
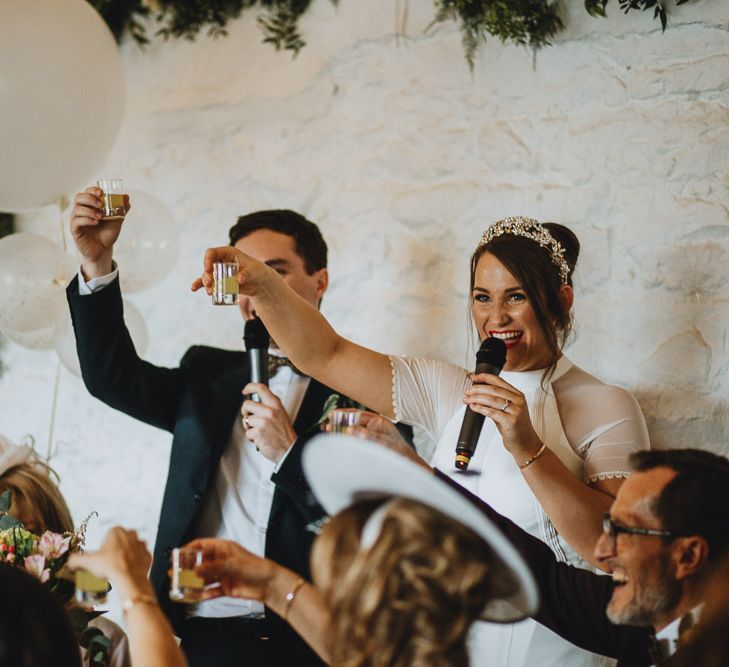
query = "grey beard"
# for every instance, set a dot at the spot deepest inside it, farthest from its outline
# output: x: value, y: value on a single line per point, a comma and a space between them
x: 652, y: 603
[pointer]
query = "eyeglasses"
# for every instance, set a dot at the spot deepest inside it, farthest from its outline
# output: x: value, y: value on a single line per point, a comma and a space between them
x: 612, y: 530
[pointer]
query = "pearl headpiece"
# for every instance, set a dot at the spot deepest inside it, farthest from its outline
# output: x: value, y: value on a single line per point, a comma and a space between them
x: 531, y: 229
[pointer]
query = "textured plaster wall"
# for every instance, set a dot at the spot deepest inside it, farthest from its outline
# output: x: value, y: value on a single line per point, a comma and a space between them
x: 403, y: 158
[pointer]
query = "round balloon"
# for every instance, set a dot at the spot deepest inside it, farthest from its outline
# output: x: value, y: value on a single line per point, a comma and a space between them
x: 38, y: 339
x: 148, y: 245
x: 65, y: 342
x: 34, y: 273
x: 62, y: 96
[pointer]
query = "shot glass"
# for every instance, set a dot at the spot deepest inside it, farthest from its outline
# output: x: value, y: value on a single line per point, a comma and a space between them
x: 225, y: 284
x: 186, y: 586
x: 113, y: 198
x: 343, y: 420
x: 90, y: 590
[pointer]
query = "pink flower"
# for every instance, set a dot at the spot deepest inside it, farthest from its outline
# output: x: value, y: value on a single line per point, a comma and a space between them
x: 36, y: 565
x: 53, y: 545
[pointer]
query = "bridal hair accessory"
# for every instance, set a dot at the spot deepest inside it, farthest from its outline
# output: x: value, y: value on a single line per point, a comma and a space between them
x: 531, y: 229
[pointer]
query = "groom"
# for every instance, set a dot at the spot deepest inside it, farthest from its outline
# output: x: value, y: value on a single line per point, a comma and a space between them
x: 231, y: 478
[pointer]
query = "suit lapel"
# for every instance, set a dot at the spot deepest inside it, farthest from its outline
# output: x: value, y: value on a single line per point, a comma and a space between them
x: 227, y: 401
x: 311, y: 406
x: 304, y: 425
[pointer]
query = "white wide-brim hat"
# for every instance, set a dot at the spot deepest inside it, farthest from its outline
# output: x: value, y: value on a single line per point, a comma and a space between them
x: 343, y: 469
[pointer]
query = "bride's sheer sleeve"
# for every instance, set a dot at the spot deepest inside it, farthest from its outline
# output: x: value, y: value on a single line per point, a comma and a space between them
x: 604, y: 424
x: 426, y: 392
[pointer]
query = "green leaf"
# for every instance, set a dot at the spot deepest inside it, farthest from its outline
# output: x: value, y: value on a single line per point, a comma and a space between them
x: 5, y: 501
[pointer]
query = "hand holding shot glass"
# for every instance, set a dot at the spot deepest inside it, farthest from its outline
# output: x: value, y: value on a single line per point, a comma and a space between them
x: 122, y: 559
x: 225, y: 283
x: 186, y: 585
x: 113, y: 197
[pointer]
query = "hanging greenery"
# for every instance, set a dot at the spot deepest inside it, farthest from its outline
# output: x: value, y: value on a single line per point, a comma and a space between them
x: 278, y: 19
x: 526, y: 22
x: 597, y: 8
x: 530, y: 23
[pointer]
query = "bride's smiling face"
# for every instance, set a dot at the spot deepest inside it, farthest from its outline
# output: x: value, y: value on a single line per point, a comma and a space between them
x: 502, y: 309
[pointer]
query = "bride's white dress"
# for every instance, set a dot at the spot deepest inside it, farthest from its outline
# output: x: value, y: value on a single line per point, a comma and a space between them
x: 591, y: 426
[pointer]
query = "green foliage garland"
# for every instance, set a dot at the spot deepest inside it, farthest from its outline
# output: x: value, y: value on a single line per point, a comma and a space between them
x: 597, y: 8
x: 526, y: 22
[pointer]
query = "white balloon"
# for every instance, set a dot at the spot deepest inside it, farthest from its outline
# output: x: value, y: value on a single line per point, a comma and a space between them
x: 38, y: 339
x: 148, y: 245
x: 62, y: 93
x: 34, y: 273
x: 65, y: 342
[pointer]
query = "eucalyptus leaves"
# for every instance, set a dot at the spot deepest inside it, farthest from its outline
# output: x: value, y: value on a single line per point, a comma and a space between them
x: 530, y: 23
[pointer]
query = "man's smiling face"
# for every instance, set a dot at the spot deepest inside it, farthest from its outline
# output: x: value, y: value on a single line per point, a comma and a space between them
x: 642, y: 566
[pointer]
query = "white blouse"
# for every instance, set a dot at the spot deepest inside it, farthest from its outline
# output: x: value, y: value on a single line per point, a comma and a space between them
x: 590, y: 426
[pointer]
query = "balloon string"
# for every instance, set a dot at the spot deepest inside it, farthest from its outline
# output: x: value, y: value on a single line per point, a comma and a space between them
x: 52, y: 426
x: 62, y: 205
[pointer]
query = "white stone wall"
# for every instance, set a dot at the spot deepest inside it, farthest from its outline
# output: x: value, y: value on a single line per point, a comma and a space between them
x: 403, y: 157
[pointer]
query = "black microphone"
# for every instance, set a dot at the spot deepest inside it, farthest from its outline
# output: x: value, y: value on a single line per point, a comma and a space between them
x: 490, y: 358
x: 256, y: 339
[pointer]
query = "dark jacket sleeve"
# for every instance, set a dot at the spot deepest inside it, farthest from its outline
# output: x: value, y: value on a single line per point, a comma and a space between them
x: 110, y: 366
x: 572, y: 600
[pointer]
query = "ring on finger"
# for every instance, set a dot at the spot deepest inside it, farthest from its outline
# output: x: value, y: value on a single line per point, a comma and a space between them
x: 507, y: 402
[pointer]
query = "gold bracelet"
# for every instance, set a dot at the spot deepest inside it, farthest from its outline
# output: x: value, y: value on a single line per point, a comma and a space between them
x: 533, y: 458
x: 290, y: 597
x: 139, y: 598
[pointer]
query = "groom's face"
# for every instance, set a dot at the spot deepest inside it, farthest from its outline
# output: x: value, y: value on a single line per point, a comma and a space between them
x: 279, y: 252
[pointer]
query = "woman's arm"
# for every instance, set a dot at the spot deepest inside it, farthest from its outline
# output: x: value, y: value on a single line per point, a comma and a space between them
x: 239, y: 573
x: 124, y: 560
x: 303, y: 333
x: 575, y: 509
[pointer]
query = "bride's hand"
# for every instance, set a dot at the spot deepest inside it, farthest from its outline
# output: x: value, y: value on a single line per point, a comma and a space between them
x: 495, y: 398
x: 251, y: 273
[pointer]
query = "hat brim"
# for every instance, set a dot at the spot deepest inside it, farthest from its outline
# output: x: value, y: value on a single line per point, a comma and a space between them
x: 343, y: 469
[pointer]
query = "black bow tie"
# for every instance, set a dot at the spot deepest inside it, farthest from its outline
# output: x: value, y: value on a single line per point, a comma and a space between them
x: 274, y: 363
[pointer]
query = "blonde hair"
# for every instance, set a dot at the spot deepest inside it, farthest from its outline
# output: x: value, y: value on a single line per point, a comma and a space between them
x: 409, y: 599
x: 36, y: 483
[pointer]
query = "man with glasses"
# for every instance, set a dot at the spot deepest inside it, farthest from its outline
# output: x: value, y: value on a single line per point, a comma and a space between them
x: 666, y: 532
x: 665, y: 535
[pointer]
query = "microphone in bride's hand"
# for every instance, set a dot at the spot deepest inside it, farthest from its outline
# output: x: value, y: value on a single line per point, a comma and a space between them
x: 490, y: 358
x: 256, y: 339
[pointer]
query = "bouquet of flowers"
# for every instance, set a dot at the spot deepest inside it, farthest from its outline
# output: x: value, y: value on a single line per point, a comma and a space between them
x: 44, y: 557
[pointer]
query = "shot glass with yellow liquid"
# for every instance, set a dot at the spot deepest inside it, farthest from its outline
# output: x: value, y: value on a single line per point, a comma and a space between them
x: 225, y: 283
x: 114, y: 208
x: 186, y: 586
x: 90, y: 590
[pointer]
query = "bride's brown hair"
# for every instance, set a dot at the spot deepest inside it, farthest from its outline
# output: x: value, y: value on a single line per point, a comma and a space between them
x: 410, y: 598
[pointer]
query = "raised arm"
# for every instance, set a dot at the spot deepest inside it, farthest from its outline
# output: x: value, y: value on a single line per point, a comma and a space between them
x: 242, y: 574
x: 303, y: 333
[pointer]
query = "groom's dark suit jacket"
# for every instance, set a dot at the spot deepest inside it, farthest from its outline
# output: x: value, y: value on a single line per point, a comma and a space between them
x: 198, y: 402
x: 572, y: 600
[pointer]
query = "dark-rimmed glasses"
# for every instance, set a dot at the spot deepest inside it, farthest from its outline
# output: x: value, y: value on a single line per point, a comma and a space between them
x: 612, y: 530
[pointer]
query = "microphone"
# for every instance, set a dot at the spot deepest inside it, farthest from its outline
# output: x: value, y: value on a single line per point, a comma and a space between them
x: 256, y: 339
x: 490, y: 358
